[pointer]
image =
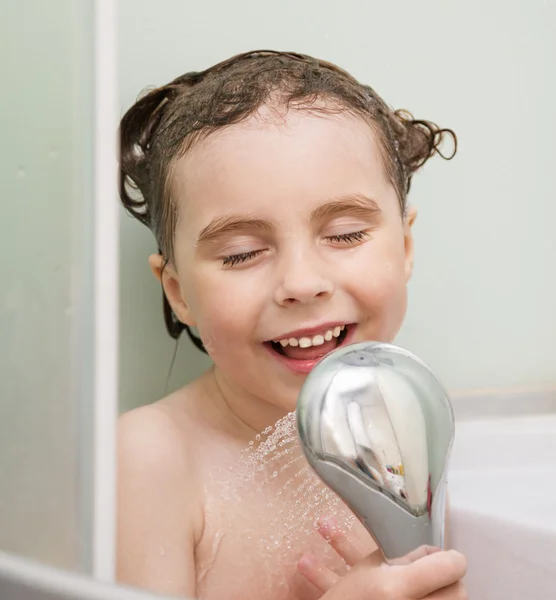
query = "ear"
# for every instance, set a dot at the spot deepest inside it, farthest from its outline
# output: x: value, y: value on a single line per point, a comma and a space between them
x: 168, y: 277
x: 409, y: 219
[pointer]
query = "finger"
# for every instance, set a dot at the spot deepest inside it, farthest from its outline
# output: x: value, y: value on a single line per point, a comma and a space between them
x: 456, y: 591
x: 318, y: 574
x: 433, y: 572
x: 420, y: 552
x: 351, y: 549
x: 375, y: 559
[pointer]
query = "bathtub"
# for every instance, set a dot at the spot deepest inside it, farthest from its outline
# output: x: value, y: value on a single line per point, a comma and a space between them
x: 502, y: 486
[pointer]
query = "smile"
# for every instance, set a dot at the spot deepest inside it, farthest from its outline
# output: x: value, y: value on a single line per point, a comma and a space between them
x: 300, y: 351
x: 315, y: 340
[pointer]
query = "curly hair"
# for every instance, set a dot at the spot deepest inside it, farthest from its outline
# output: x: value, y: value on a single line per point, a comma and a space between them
x: 167, y: 121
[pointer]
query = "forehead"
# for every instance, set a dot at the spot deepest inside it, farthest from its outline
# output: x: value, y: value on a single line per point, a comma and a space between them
x: 273, y: 163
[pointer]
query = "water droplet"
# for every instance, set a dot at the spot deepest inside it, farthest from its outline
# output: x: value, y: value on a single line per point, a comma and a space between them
x: 53, y: 154
x: 21, y: 172
x: 296, y: 501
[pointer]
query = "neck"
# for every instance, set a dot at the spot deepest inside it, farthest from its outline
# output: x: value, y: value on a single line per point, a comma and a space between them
x: 250, y: 414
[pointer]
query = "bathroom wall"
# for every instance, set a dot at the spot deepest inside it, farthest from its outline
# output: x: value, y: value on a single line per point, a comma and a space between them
x: 484, y: 290
x: 45, y: 313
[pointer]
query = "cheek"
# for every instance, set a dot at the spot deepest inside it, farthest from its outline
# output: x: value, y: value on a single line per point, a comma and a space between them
x: 225, y: 314
x: 384, y: 287
x: 384, y: 301
x: 379, y: 268
x: 378, y: 283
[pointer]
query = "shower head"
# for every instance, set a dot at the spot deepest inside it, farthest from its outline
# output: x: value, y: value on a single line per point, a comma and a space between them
x: 377, y: 427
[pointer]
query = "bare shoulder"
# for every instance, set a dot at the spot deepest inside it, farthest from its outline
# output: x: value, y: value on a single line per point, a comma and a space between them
x: 152, y: 434
x: 160, y: 512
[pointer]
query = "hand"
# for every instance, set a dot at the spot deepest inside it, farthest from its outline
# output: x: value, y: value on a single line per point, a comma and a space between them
x: 427, y: 573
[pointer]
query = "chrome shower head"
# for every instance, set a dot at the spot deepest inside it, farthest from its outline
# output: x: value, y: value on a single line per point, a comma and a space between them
x: 377, y: 427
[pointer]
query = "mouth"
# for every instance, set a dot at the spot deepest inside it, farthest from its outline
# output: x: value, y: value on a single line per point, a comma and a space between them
x: 301, y: 353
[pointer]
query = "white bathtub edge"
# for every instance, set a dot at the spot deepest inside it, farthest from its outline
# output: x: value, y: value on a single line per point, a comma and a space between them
x: 500, y: 402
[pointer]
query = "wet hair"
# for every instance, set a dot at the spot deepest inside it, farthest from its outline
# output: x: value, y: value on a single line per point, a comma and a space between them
x: 167, y: 121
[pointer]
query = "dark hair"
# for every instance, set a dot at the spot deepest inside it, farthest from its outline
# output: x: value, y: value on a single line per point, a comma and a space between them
x: 165, y: 122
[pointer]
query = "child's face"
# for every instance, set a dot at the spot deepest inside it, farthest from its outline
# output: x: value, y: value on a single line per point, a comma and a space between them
x: 304, y: 206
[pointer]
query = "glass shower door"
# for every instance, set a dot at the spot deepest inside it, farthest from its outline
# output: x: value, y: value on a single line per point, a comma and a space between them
x: 58, y: 285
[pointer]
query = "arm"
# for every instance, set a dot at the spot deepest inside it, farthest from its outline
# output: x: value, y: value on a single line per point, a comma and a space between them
x: 158, y: 514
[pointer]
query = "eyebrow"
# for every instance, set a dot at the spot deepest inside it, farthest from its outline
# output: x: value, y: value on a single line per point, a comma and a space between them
x: 353, y: 203
x: 225, y: 225
x: 357, y: 203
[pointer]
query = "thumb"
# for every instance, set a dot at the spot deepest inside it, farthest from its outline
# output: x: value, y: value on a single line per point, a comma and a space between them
x: 375, y: 559
x: 420, y: 552
x: 433, y: 572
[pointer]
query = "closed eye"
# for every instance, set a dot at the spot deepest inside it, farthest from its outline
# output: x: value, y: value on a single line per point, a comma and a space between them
x: 236, y: 259
x: 349, y: 238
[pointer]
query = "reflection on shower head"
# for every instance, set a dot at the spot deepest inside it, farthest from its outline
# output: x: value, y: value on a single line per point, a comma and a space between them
x: 360, y: 430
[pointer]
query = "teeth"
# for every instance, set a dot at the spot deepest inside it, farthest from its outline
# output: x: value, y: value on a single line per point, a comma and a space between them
x: 317, y: 340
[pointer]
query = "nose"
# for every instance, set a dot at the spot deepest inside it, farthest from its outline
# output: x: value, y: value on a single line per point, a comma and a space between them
x: 302, y: 282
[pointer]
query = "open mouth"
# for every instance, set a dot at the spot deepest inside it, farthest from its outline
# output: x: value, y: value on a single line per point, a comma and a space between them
x: 314, y: 347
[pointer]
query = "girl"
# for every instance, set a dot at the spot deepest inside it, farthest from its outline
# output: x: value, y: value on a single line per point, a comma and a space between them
x: 276, y: 187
